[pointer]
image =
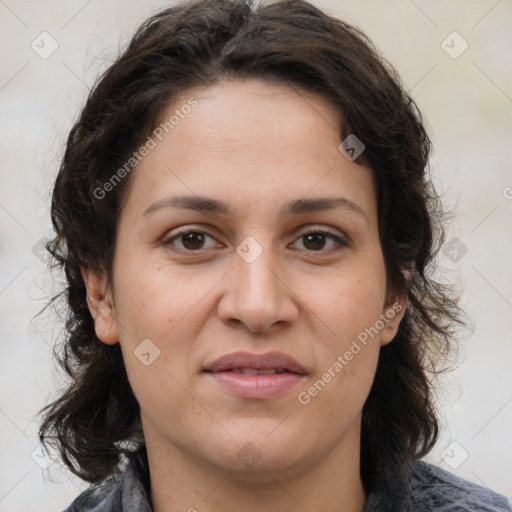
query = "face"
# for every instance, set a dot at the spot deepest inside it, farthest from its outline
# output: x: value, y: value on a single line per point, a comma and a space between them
x: 283, y: 257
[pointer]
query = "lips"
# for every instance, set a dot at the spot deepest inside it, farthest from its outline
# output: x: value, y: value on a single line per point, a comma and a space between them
x: 256, y: 376
x: 254, y: 371
x: 256, y: 364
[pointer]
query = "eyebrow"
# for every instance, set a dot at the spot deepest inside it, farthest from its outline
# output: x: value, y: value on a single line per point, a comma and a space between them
x: 294, y: 207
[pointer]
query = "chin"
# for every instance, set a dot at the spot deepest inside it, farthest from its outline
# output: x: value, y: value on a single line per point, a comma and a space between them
x: 254, y: 455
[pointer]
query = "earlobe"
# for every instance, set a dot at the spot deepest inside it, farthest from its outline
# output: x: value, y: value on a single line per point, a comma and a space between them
x: 100, y: 306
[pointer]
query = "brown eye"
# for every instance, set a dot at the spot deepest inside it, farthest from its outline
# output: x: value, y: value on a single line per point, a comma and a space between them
x: 191, y: 240
x: 316, y: 240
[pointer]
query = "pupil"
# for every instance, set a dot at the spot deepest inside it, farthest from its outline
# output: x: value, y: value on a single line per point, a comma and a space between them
x: 193, y: 240
x: 319, y: 237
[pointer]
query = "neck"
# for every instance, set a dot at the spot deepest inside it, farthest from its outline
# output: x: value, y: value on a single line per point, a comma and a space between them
x: 181, y: 482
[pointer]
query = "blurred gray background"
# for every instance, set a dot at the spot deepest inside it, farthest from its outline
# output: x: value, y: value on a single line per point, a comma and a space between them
x: 454, y: 57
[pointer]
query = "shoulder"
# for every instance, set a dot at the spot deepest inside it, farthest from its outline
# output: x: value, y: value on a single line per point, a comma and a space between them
x: 433, y: 488
x: 106, y: 499
x: 125, y: 493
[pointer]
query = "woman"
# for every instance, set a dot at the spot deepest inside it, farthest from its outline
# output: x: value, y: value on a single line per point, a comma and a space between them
x: 247, y: 228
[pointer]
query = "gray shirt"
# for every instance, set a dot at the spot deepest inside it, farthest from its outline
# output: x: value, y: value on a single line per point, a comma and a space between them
x: 425, y: 488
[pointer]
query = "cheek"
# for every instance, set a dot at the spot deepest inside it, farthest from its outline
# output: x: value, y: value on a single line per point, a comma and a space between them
x: 349, y: 301
x: 151, y: 300
x: 157, y: 311
x: 345, y: 376
x: 348, y: 310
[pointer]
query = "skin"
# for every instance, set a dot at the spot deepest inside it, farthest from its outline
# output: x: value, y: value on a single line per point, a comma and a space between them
x: 255, y: 146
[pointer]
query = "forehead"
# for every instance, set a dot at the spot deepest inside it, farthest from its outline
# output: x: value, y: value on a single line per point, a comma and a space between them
x: 237, y: 114
x: 243, y: 137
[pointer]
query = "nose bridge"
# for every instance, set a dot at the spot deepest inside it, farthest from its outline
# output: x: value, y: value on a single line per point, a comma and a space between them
x: 256, y: 294
x: 256, y: 272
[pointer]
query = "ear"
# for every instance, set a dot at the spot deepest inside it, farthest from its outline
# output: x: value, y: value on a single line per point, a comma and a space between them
x: 100, y: 304
x: 392, y: 315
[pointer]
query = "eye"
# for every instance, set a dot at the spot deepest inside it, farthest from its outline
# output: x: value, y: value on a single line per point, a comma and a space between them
x: 316, y: 239
x: 191, y: 239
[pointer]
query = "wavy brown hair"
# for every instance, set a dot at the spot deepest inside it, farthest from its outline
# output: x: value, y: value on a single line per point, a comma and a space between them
x: 96, y: 418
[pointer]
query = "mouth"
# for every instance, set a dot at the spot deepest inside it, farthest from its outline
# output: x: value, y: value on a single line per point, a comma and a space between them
x: 251, y: 364
x: 255, y: 371
x: 246, y: 375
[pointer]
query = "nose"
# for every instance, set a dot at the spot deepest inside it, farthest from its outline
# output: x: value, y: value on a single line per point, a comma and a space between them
x: 256, y: 294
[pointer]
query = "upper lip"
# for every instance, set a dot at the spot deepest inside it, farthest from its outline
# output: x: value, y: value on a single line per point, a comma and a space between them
x: 267, y: 361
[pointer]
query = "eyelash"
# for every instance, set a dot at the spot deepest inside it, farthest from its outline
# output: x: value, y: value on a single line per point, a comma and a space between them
x: 342, y: 242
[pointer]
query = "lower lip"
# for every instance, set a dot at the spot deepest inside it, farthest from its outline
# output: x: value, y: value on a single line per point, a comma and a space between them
x: 256, y: 386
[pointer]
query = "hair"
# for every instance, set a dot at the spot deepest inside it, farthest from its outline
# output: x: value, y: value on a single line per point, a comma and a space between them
x: 96, y: 418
